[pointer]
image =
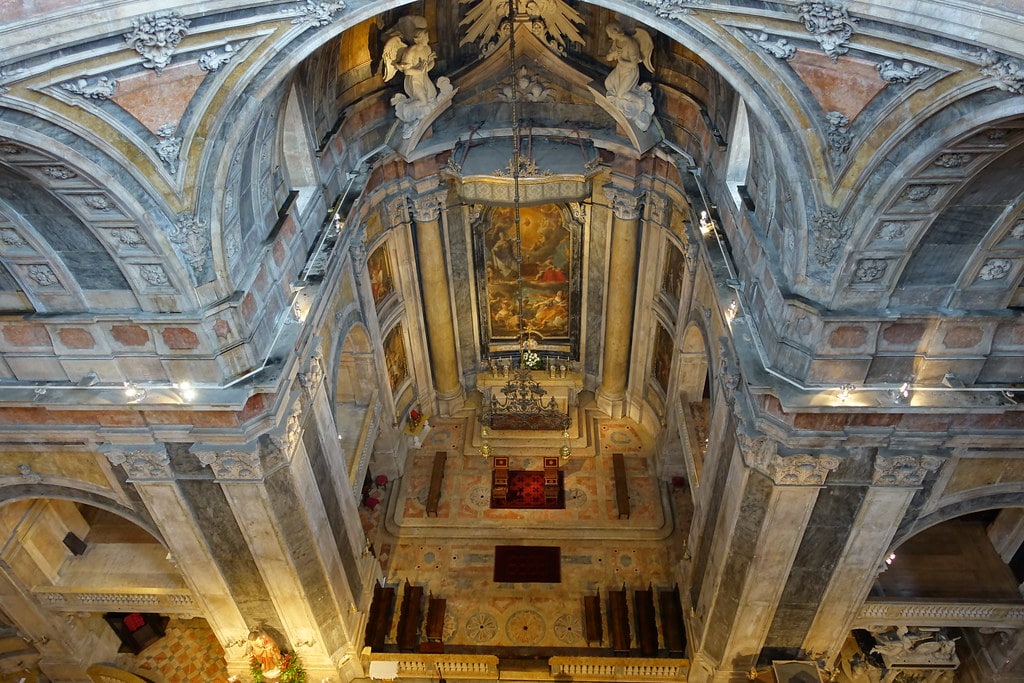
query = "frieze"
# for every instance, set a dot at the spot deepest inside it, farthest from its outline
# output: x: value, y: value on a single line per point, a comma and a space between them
x: 232, y: 464
x: 155, y: 37
x: 547, y: 190
x: 903, y: 470
x: 141, y: 464
x: 830, y: 24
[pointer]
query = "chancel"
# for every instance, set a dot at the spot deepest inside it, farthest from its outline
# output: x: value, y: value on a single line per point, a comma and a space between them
x: 514, y: 340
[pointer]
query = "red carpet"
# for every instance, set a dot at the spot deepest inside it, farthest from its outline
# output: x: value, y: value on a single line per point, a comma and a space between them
x: 526, y: 492
x: 527, y: 564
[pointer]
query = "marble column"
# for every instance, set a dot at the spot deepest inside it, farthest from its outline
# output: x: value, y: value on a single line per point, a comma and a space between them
x: 895, y: 481
x: 437, y: 308
x: 618, y: 323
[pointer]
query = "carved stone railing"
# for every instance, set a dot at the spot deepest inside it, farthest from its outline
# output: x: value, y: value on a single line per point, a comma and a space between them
x: 164, y: 601
x: 363, y: 449
x: 449, y: 667
x: 940, y: 613
x: 624, y: 669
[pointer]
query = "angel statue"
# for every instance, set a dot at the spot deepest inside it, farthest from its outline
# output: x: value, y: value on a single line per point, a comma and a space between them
x: 622, y: 86
x: 408, y: 50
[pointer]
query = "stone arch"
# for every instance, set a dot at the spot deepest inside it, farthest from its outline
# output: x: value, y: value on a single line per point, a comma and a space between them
x: 694, y: 385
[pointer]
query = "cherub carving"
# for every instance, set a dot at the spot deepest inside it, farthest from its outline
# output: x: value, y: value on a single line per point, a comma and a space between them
x: 408, y: 50
x: 622, y: 86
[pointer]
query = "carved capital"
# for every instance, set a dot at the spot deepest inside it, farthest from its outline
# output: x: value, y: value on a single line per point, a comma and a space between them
x: 427, y: 207
x: 232, y: 463
x: 141, y: 464
x: 802, y: 470
x: 311, y: 377
x: 757, y: 450
x: 625, y: 205
x: 903, y: 470
x: 285, y: 439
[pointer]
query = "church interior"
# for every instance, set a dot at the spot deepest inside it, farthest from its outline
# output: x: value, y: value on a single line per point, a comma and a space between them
x: 521, y: 340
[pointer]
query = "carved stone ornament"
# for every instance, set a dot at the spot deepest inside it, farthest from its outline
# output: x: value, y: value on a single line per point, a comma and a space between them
x: 102, y: 88
x: 891, y: 72
x: 780, y: 49
x: 6, y: 76
x: 870, y: 269
x: 129, y: 238
x: 10, y: 239
x: 891, y: 231
x: 285, y: 438
x: 755, y: 450
x: 1008, y: 73
x: 830, y: 232
x: 803, y: 470
x: 407, y: 51
x: 427, y: 207
x: 919, y: 193
x: 622, y: 86
x: 141, y: 464
x: 903, y: 470
x: 316, y: 13
x: 830, y: 24
x: 311, y: 378
x: 169, y: 146
x: 952, y: 160
x: 232, y: 464
x: 43, y: 275
x: 625, y: 205
x: 154, y: 275
x: 156, y: 36
x: 1017, y: 231
x: 212, y: 61
x: 59, y: 172
x: 676, y: 10
x: 838, y: 134
x: 397, y: 211
x: 530, y: 87
x: 995, y: 269
x: 189, y: 235
x: 553, y: 21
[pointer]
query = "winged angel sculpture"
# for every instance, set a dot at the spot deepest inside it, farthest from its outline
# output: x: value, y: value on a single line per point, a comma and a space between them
x: 622, y: 86
x: 407, y: 50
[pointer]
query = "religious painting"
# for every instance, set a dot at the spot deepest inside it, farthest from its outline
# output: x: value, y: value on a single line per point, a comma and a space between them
x: 672, y: 277
x: 661, y: 364
x: 544, y: 297
x: 394, y: 356
x: 379, y: 268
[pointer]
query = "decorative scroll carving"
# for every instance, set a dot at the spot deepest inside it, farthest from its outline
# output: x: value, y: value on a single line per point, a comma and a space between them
x: 870, y: 269
x: 553, y: 21
x: 102, y: 88
x: 830, y: 24
x: 802, y: 470
x: 141, y: 464
x: 189, y: 235
x: 212, y: 61
x: 285, y: 439
x: 903, y: 470
x: 625, y: 205
x: 780, y: 49
x: 234, y: 464
x: 830, y: 232
x: 1006, y: 72
x: 674, y: 9
x: 839, y: 137
x: 155, y: 37
x: 316, y: 13
x: 899, y: 73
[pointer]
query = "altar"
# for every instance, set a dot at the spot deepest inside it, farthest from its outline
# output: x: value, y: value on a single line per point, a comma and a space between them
x: 522, y: 399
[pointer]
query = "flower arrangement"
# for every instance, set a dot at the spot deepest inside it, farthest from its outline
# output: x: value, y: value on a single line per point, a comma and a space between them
x: 531, y: 360
x: 291, y: 670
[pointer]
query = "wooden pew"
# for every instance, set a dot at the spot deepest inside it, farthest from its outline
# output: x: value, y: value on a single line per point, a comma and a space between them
x: 434, y: 629
x: 646, y: 622
x: 618, y: 621
x: 672, y: 627
x: 408, y: 636
x: 436, y: 477
x: 592, y: 627
x: 378, y: 624
x: 621, y: 486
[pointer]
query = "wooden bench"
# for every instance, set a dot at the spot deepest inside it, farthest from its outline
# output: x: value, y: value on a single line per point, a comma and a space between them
x: 378, y: 624
x: 436, y: 477
x: 621, y: 486
x: 408, y: 636
x: 646, y: 622
x: 592, y: 627
x: 673, y: 629
x: 436, y: 608
x: 618, y: 621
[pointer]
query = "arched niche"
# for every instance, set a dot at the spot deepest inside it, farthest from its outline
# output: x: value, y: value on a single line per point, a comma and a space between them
x: 694, y: 399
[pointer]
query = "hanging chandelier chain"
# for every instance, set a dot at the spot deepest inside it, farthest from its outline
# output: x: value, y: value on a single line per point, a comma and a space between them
x: 516, y: 167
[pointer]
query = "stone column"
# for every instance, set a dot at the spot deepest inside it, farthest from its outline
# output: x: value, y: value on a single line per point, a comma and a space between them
x: 895, y: 481
x: 149, y: 471
x: 618, y: 322
x: 437, y: 309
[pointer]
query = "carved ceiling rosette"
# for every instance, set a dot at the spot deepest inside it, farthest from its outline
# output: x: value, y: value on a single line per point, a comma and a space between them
x: 903, y: 470
x: 141, y: 464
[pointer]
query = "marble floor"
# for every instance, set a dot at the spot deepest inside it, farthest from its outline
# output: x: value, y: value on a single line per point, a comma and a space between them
x: 452, y: 555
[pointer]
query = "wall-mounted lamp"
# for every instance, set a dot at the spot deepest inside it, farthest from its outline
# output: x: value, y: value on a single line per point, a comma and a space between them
x: 845, y: 390
x: 901, y: 394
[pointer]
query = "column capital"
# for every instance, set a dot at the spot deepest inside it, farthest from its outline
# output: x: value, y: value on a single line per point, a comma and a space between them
x: 903, y: 470
x: 427, y: 207
x: 233, y: 463
x: 626, y: 205
x: 141, y: 463
x: 802, y: 470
